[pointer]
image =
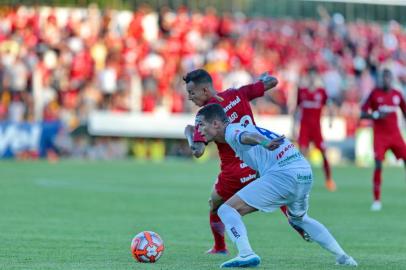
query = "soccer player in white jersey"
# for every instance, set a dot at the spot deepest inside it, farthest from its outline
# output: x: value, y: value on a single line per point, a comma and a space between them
x: 285, y: 179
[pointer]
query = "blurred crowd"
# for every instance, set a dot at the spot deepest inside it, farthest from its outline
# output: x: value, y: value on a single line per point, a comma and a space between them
x: 62, y: 63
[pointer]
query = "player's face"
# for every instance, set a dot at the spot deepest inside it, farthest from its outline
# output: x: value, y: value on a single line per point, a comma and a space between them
x: 312, y: 79
x: 208, y: 130
x: 197, y: 93
x: 387, y: 79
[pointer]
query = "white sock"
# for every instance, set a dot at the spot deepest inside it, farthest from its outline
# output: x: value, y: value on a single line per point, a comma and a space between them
x: 319, y: 233
x: 235, y: 229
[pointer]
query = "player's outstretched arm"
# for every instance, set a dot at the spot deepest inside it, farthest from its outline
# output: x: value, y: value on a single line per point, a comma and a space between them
x: 252, y: 138
x: 196, y: 147
x: 268, y: 80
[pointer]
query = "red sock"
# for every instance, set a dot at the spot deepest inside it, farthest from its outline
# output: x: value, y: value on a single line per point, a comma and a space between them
x: 217, y: 229
x: 284, y: 210
x: 326, y: 167
x: 377, y: 184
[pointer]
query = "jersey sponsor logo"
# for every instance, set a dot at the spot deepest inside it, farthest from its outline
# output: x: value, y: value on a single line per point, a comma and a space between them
x: 304, y: 178
x: 290, y: 159
x: 232, y: 104
x: 387, y: 108
x: 235, y: 233
x: 248, y: 178
x: 281, y: 153
x: 243, y: 165
x: 311, y: 104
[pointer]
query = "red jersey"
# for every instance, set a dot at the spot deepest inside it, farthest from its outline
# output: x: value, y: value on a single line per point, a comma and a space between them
x: 237, y: 107
x: 311, y: 103
x: 386, y: 102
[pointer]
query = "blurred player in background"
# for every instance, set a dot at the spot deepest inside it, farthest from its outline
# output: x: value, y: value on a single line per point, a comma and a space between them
x: 286, y: 178
x: 234, y: 173
x: 381, y: 106
x: 310, y: 102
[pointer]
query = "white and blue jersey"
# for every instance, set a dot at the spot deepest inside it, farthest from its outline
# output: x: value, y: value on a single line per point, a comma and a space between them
x: 285, y: 175
x: 287, y: 156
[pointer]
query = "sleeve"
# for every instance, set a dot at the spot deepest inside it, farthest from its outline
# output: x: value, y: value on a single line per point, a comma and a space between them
x: 252, y: 91
x: 231, y: 133
x: 366, y: 105
x: 233, y: 137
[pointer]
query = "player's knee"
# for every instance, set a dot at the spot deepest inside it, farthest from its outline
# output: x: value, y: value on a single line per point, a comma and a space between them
x: 214, y: 205
x: 295, y: 219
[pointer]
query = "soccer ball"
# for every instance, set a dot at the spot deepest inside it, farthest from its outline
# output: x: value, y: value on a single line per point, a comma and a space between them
x: 147, y: 247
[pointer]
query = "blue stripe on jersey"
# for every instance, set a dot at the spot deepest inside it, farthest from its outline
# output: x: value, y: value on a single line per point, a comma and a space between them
x: 239, y: 139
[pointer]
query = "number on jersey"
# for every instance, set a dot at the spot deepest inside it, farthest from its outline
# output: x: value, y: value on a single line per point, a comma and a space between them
x: 267, y: 133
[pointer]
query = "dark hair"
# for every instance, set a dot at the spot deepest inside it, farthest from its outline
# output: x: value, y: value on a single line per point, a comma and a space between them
x: 213, y: 111
x: 198, y: 76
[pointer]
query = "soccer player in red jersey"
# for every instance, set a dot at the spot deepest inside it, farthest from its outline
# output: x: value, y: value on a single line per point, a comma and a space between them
x: 234, y: 173
x: 381, y: 106
x: 311, y: 101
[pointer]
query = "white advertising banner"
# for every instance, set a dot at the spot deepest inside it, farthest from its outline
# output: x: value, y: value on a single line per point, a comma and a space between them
x: 157, y: 125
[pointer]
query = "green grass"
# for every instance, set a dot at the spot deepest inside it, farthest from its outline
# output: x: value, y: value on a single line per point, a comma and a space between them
x: 83, y: 215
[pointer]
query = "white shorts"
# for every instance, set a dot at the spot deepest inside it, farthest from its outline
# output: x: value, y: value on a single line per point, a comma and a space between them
x: 278, y: 188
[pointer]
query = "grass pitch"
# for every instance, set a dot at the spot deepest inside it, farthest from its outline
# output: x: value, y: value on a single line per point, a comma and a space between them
x: 83, y: 215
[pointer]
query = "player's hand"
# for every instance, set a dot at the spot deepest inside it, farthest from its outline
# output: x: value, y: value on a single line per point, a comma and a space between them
x: 382, y: 115
x: 268, y: 80
x: 275, y: 143
x: 197, y: 149
x: 189, y: 129
x: 379, y: 115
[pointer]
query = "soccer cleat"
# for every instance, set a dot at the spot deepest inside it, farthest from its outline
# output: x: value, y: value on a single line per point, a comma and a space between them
x: 330, y: 185
x: 251, y: 260
x: 214, y: 250
x: 302, y: 232
x: 376, y: 206
x: 346, y: 260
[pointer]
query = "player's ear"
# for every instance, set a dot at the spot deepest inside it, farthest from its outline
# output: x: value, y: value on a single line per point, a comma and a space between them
x: 217, y: 123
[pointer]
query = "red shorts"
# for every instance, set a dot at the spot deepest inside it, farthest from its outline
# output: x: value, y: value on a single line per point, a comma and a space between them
x: 308, y: 135
x: 394, y: 143
x: 226, y: 187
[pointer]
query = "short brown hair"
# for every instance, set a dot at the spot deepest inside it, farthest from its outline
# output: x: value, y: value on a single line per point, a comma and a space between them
x: 198, y: 76
x: 213, y: 111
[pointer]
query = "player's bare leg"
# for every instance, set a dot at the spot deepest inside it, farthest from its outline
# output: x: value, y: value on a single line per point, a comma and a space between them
x: 216, y: 225
x: 330, y: 184
x: 231, y: 213
x: 377, y: 182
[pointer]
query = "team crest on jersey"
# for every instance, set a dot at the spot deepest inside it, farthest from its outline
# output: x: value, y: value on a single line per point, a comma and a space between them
x: 396, y: 100
x: 380, y: 99
x: 317, y: 97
